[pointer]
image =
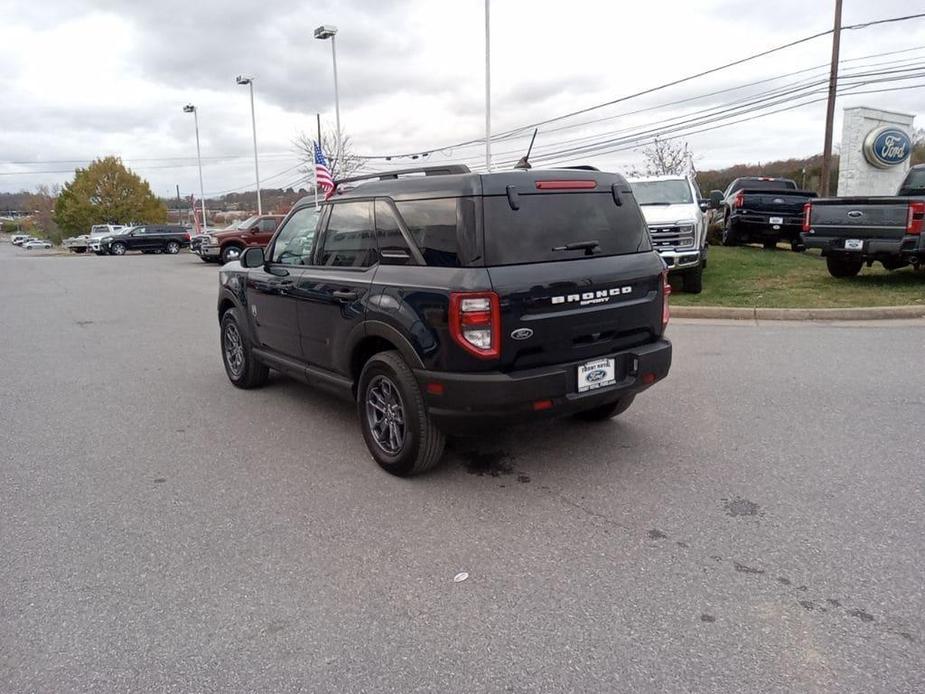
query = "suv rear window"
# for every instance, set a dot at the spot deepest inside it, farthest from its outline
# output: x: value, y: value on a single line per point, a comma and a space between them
x: 552, y: 220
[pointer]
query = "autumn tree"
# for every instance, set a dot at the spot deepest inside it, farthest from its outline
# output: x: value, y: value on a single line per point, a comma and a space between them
x: 106, y: 192
x: 41, y: 204
x: 348, y: 164
x: 665, y: 158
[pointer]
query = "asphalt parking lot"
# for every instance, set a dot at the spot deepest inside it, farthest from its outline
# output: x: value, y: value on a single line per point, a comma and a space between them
x: 754, y: 523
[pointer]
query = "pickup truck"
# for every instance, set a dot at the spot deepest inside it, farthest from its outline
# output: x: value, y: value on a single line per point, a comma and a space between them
x: 676, y: 215
x: 226, y: 245
x: 91, y: 241
x: 761, y: 210
x: 852, y: 232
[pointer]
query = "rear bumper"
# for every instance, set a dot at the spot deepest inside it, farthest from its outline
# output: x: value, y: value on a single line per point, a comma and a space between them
x: 469, y: 402
x: 758, y: 225
x: 906, y: 248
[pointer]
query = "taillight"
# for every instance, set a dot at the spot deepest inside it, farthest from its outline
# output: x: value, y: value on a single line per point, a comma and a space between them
x: 666, y: 292
x: 807, y: 217
x: 916, y: 219
x: 475, y: 323
x: 566, y: 185
x: 739, y: 200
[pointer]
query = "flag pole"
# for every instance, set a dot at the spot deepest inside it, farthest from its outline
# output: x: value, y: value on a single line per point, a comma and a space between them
x: 315, y: 168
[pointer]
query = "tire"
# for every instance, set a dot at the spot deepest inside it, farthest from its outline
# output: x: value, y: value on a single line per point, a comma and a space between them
x: 797, y: 246
x: 205, y: 260
x: 608, y: 411
x: 243, y: 370
x: 404, y: 440
x: 693, y: 280
x: 843, y: 267
x: 230, y: 253
x: 117, y: 248
x: 729, y: 236
x: 769, y: 245
x: 172, y: 247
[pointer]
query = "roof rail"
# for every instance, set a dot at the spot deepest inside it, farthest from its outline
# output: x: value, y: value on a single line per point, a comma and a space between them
x: 391, y: 175
x: 578, y: 167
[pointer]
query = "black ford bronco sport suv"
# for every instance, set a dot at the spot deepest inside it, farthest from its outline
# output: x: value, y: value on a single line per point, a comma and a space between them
x: 444, y: 302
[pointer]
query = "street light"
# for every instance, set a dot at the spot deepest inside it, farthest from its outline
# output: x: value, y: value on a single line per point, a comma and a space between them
x: 327, y: 31
x: 249, y: 81
x: 189, y: 108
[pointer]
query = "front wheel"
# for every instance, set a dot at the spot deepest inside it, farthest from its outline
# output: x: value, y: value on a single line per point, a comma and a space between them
x: 843, y: 267
x: 242, y: 368
x: 608, y: 411
x: 118, y: 249
x: 693, y: 280
x: 173, y: 247
x: 397, y: 429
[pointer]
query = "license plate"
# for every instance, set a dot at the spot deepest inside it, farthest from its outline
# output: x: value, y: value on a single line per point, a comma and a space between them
x: 777, y: 220
x: 854, y: 245
x: 596, y: 374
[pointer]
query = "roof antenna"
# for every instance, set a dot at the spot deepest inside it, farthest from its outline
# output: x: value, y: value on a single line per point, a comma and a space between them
x: 524, y: 162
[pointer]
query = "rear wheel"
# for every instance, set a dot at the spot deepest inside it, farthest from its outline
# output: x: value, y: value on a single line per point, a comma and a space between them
x: 729, y: 235
x: 693, y: 280
x: 797, y: 246
x: 242, y: 368
x: 843, y: 267
x: 173, y: 247
x: 230, y: 253
x: 396, y: 427
x: 769, y: 244
x: 602, y: 412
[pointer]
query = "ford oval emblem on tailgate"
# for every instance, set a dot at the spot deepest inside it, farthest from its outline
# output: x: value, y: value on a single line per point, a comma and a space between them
x: 855, y: 214
x: 522, y: 333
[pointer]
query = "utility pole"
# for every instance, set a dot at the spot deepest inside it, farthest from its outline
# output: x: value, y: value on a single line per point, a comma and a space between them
x: 487, y: 86
x: 179, y: 202
x: 830, y: 107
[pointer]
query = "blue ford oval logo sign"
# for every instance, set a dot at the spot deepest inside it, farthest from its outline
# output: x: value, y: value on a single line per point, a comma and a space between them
x: 595, y: 376
x: 887, y: 146
x: 522, y: 333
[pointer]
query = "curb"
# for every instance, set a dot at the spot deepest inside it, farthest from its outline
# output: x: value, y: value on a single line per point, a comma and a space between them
x: 821, y: 314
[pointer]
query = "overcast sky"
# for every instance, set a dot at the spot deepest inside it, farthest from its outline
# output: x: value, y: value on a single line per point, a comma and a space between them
x: 88, y: 79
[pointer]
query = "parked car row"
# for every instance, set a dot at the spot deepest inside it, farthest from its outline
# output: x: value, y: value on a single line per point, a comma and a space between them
x: 29, y: 242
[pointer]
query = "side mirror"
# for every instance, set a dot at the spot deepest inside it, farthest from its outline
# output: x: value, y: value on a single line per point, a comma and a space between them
x: 704, y: 205
x: 716, y: 199
x: 252, y: 258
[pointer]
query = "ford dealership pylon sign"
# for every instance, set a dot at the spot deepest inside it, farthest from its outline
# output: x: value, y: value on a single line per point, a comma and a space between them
x: 887, y: 146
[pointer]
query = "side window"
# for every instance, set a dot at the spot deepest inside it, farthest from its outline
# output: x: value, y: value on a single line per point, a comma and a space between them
x: 295, y: 241
x: 432, y: 223
x: 390, y: 236
x: 350, y: 239
x: 269, y: 225
x: 141, y: 231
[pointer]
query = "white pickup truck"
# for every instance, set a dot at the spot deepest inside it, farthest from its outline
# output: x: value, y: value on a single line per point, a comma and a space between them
x: 677, y: 218
x: 91, y: 241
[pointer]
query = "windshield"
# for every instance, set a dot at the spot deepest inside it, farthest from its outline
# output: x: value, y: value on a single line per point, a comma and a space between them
x: 561, y: 226
x: 250, y: 221
x: 915, y: 181
x: 764, y: 184
x: 676, y: 192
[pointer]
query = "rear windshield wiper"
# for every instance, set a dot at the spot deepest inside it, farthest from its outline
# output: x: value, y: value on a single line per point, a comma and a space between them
x: 589, y: 247
x: 648, y: 204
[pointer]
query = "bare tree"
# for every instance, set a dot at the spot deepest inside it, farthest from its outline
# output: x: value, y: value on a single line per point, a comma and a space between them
x: 665, y: 158
x: 349, y: 162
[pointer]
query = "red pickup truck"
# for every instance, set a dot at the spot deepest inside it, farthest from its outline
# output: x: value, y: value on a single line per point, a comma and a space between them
x: 226, y: 245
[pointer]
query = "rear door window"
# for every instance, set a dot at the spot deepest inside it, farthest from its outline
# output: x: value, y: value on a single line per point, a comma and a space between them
x: 433, y: 226
x: 350, y: 238
x: 545, y: 224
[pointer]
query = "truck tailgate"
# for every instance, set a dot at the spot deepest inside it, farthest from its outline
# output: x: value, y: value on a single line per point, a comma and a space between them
x: 860, y: 218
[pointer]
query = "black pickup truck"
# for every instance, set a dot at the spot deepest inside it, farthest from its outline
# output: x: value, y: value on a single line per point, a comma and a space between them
x: 761, y: 210
x: 852, y: 232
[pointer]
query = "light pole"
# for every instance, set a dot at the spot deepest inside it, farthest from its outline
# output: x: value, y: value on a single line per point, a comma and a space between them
x: 189, y: 108
x: 487, y: 86
x: 327, y: 31
x: 249, y: 81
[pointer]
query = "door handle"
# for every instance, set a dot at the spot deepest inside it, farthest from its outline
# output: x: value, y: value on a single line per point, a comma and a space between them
x: 345, y: 294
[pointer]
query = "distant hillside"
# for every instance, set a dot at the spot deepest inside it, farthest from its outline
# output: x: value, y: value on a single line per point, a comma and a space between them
x: 789, y: 168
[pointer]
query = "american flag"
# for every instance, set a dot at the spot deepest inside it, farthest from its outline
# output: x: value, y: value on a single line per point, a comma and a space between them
x: 323, y: 178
